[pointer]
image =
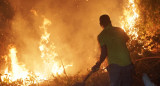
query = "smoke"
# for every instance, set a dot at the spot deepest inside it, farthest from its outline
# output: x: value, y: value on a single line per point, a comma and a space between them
x: 74, y: 30
x: 6, y: 16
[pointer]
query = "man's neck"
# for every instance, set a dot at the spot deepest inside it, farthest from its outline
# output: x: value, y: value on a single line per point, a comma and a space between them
x: 109, y: 25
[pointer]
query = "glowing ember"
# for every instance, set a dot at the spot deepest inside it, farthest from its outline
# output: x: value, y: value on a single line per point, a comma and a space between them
x: 129, y: 19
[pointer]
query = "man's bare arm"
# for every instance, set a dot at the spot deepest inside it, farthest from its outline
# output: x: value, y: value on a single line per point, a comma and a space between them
x: 102, y: 56
x: 103, y: 53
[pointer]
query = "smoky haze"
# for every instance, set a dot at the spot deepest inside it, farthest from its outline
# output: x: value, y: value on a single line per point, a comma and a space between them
x: 74, y: 30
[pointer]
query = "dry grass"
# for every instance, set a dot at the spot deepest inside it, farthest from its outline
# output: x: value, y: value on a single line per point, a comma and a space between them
x: 100, y: 78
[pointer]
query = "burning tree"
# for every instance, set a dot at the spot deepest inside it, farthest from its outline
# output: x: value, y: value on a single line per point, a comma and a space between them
x: 149, y: 25
x: 141, y: 22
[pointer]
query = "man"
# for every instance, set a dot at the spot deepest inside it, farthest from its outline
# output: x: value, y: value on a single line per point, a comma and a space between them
x: 113, y: 45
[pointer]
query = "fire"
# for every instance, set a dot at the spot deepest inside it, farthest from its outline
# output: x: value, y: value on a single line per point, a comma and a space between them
x: 18, y: 72
x: 48, y: 54
x: 129, y: 19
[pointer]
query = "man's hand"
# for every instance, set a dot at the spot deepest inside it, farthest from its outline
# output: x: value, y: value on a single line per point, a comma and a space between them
x: 96, y: 67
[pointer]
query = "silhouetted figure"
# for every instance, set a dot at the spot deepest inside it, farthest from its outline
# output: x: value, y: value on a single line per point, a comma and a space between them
x: 112, y: 41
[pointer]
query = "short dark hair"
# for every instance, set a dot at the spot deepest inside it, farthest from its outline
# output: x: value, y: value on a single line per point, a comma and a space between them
x: 104, y: 20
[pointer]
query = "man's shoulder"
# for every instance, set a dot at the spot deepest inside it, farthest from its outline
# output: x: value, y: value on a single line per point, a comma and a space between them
x: 117, y: 28
x: 101, y: 34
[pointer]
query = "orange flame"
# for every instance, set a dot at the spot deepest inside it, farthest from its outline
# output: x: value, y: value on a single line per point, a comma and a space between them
x: 18, y: 72
x: 48, y: 55
x: 129, y: 19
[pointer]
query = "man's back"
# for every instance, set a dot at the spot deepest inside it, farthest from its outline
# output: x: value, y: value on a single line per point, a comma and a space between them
x: 115, y: 40
x: 113, y: 44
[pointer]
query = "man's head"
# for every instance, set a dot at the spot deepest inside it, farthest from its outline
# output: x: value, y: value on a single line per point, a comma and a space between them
x: 104, y: 20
